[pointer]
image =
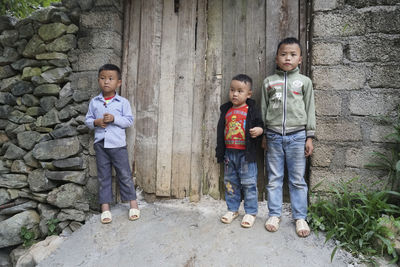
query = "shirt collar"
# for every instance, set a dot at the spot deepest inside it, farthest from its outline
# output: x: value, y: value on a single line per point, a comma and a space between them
x: 100, y: 97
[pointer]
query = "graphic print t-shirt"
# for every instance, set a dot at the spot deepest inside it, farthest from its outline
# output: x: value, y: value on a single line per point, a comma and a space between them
x: 235, y: 125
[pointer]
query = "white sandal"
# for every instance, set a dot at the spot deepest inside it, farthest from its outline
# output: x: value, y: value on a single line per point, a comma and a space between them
x: 134, y: 214
x: 229, y: 217
x: 302, y: 225
x: 106, y: 217
x: 248, y: 221
x: 274, y: 222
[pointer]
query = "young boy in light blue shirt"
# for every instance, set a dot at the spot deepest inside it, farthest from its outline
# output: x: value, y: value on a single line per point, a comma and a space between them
x: 109, y: 115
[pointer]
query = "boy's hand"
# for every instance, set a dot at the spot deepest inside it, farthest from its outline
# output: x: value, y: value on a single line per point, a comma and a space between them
x: 309, y: 147
x: 256, y: 131
x: 264, y: 143
x: 100, y: 122
x: 108, y: 118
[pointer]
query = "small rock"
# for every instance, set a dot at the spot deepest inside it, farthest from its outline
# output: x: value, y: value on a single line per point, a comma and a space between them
x: 30, y: 100
x: 35, y: 46
x: 50, y: 118
x: 10, y: 55
x: 48, y: 102
x: 19, y: 166
x: 13, y: 180
x: 26, y: 62
x: 63, y: 102
x: 31, y: 161
x: 6, y: 72
x: 8, y: 83
x: 29, y: 72
x: 69, y: 164
x: 66, y: 131
x: 47, y: 213
x: 4, y: 196
x: 47, y: 90
x: 52, y: 31
x: 10, y: 229
x: 57, y: 149
x: 57, y: 75
x: 21, y: 88
x: 38, y: 182
x: 66, y: 196
x: 8, y: 99
x: 66, y: 91
x: 62, y: 44
x: 14, y: 152
x: 52, y: 56
x: 77, y: 177
x: 72, y: 215
x: 9, y: 37
x: 26, y: 205
x: 75, y: 226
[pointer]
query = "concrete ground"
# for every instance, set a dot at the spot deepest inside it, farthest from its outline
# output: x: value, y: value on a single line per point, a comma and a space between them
x: 180, y: 233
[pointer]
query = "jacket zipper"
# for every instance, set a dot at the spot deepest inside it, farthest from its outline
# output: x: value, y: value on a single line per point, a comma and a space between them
x: 284, y: 104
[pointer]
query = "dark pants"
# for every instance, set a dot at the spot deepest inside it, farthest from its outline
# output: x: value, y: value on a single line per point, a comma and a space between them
x: 105, y: 159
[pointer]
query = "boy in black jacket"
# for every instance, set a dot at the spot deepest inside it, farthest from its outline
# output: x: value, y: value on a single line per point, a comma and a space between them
x: 239, y: 127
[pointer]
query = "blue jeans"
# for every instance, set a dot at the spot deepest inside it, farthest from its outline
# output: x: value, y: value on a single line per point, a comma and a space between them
x: 289, y: 148
x: 240, y: 175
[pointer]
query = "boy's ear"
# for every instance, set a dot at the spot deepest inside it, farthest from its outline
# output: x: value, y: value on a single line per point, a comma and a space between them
x: 250, y: 93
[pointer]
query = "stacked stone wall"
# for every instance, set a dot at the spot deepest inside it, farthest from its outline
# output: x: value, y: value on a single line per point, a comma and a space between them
x: 355, y: 46
x: 48, y: 73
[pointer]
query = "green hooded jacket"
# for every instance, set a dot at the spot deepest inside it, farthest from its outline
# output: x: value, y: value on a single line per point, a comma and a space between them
x: 287, y: 103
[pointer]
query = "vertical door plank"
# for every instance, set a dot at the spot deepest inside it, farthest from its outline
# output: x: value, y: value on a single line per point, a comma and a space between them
x: 183, y: 106
x: 255, y: 67
x: 212, y: 97
x: 166, y: 99
x: 198, y: 103
x: 234, y: 42
x: 282, y: 20
x: 130, y: 68
x: 303, y: 33
x: 147, y: 94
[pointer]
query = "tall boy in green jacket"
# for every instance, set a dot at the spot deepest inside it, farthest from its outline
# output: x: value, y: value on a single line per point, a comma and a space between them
x: 288, y: 113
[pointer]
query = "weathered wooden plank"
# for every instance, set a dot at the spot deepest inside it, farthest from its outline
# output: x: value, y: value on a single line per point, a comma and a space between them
x: 304, y: 7
x: 166, y: 99
x: 130, y: 65
x: 212, y: 97
x: 255, y: 66
x: 282, y: 18
x: 198, y: 103
x: 183, y: 103
x: 234, y: 42
x: 147, y: 94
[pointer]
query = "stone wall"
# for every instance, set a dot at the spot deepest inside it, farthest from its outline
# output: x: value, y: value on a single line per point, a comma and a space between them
x: 355, y: 46
x: 48, y: 73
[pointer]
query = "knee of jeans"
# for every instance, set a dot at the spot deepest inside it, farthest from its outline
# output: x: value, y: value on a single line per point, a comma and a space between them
x: 248, y: 182
x: 299, y: 184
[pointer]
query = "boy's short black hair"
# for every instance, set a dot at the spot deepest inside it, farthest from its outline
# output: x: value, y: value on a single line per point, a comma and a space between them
x: 243, y: 78
x: 289, y: 40
x: 111, y: 67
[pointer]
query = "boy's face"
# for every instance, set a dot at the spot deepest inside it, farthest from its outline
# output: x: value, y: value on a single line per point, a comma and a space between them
x: 239, y: 92
x: 288, y: 57
x: 109, y: 82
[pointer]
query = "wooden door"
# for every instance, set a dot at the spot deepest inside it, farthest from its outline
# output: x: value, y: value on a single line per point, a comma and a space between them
x: 179, y: 58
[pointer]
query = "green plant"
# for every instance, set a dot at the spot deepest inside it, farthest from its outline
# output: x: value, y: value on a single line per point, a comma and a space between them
x: 352, y: 218
x: 28, y: 236
x: 22, y: 8
x: 391, y: 163
x: 52, y: 227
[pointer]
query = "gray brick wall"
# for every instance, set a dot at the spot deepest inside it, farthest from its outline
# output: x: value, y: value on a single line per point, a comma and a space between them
x: 354, y: 51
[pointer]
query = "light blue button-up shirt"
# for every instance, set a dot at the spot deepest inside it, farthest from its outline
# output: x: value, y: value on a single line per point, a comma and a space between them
x: 114, y: 133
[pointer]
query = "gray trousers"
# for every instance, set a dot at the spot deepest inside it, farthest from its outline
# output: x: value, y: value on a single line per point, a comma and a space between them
x: 105, y: 159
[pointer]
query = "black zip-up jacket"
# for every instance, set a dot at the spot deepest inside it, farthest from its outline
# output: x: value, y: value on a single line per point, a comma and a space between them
x: 253, y: 119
